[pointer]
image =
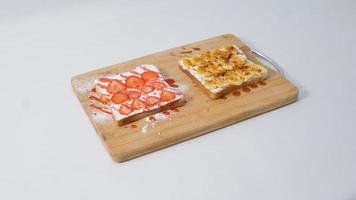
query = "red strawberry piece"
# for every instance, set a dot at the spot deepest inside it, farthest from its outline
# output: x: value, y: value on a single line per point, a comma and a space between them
x: 134, y: 82
x: 149, y: 76
x: 147, y: 89
x: 119, y: 97
x: 115, y: 86
x: 158, y: 85
x: 134, y: 94
x: 125, y: 109
x: 167, y: 95
x: 151, y: 100
x: 137, y: 104
x: 105, y: 80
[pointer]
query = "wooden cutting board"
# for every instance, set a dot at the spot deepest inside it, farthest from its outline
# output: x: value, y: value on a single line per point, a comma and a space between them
x: 198, y: 116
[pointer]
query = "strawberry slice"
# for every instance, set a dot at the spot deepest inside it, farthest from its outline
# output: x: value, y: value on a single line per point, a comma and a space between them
x: 125, y: 109
x: 147, y: 89
x: 137, y: 104
x: 134, y: 94
x: 151, y: 100
x: 167, y: 95
x: 115, y: 86
x: 134, y: 82
x: 149, y: 76
x: 158, y: 85
x: 119, y: 97
x: 105, y: 80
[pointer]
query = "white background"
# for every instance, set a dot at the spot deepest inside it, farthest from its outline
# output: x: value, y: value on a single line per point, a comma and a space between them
x: 49, y: 150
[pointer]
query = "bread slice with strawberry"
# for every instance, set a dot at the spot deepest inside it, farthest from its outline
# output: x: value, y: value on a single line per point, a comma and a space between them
x: 138, y: 93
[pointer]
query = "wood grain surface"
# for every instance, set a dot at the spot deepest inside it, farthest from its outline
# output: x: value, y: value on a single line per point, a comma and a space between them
x: 198, y: 116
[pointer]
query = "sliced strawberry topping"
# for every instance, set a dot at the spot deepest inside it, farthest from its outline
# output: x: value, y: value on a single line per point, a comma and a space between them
x: 167, y: 95
x: 149, y: 76
x: 115, y: 86
x: 152, y: 100
x: 119, y: 97
x: 134, y: 82
x: 134, y: 94
x: 125, y: 109
x: 105, y: 80
x: 137, y: 104
x: 147, y: 89
x: 158, y: 85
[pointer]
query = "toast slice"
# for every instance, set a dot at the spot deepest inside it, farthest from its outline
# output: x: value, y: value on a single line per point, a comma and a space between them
x: 135, y: 94
x: 219, y: 71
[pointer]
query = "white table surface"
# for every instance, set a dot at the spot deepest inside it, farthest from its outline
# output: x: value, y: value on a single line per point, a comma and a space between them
x: 49, y: 150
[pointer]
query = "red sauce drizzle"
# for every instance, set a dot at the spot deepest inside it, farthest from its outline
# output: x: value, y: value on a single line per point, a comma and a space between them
x: 100, y: 108
x: 133, y: 126
x: 175, y: 109
x: 134, y: 72
x: 236, y: 93
x: 171, y: 82
x: 246, y: 89
x: 152, y: 118
x: 97, y: 99
x: 93, y: 89
x: 101, y: 85
x: 165, y: 112
x: 145, y: 68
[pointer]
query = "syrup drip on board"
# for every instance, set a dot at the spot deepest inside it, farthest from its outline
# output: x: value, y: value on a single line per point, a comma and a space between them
x: 236, y: 93
x: 248, y: 88
x: 152, y: 118
x: 186, y: 50
x: 262, y: 83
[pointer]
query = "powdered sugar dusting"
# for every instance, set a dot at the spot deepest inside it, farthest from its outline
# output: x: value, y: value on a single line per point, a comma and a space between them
x: 85, y: 85
x: 144, y: 128
x: 182, y: 88
x: 149, y: 123
x: 101, y: 117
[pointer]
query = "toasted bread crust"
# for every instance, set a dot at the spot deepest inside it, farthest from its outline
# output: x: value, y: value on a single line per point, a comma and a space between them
x: 127, y: 120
